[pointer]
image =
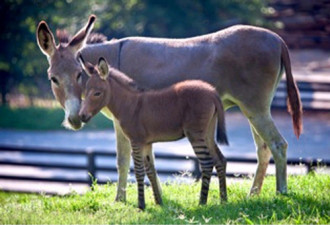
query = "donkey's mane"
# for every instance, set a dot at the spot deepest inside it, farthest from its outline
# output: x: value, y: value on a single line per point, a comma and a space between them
x: 93, y: 38
x: 124, y: 80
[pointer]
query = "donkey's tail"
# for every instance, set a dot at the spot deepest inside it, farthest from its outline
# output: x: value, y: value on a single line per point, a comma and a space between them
x: 293, y: 101
x: 221, y: 131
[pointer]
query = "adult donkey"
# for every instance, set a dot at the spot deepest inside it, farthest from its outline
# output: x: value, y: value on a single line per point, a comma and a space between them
x: 244, y: 63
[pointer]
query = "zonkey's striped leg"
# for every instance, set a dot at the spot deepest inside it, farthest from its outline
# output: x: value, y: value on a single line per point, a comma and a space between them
x: 220, y: 166
x: 220, y: 161
x: 152, y: 174
x: 139, y: 173
x: 207, y: 164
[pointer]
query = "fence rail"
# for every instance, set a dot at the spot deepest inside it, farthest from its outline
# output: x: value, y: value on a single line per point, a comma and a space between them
x: 92, y: 168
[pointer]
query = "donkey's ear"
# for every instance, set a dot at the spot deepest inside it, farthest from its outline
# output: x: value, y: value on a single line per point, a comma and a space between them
x: 45, y: 39
x: 79, y: 40
x: 88, y: 67
x: 103, y: 68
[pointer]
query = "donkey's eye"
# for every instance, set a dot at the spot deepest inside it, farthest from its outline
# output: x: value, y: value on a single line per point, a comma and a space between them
x: 54, y: 80
x: 97, y: 94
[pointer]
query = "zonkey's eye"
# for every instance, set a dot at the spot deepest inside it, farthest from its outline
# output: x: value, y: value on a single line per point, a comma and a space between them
x: 54, y: 80
x: 96, y: 94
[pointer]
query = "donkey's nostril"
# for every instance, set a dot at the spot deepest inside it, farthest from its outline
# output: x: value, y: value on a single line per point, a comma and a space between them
x: 74, y: 122
x: 70, y: 120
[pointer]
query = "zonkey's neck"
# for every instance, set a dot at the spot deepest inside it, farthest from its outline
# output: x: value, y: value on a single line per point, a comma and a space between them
x: 122, y: 101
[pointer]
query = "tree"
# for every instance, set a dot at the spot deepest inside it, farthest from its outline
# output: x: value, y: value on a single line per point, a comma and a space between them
x: 22, y: 65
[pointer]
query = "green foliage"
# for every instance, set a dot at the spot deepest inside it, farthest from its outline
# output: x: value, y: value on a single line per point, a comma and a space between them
x: 35, y: 118
x: 23, y: 65
x: 308, y: 202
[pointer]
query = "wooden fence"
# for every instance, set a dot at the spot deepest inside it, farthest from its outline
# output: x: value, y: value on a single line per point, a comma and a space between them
x: 91, y: 167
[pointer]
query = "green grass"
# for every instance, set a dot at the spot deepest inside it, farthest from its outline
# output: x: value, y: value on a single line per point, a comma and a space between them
x: 37, y: 118
x: 308, y: 202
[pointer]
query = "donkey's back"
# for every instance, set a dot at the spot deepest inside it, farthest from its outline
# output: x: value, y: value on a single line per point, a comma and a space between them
x: 224, y: 58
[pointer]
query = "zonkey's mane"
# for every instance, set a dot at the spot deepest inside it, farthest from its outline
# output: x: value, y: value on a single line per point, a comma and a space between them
x: 93, y: 38
x: 124, y: 80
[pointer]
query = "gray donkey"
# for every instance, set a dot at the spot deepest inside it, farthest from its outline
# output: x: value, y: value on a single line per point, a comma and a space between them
x: 185, y: 109
x: 243, y: 63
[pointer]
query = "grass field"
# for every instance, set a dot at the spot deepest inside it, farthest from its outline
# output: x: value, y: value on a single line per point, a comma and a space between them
x: 38, y: 118
x: 308, y: 202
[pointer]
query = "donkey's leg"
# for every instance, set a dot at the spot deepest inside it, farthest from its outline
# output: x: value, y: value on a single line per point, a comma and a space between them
x: 123, y: 161
x: 264, y: 154
x: 266, y: 129
x: 206, y: 161
x: 139, y: 171
x: 151, y: 173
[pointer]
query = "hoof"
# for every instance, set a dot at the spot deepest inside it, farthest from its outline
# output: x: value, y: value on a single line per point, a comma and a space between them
x: 159, y: 201
x: 142, y: 207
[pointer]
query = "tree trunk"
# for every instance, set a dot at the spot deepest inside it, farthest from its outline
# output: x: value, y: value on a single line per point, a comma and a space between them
x: 4, y: 78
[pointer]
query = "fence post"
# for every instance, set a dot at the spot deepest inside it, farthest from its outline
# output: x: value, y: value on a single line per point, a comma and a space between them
x: 311, y: 165
x: 91, y: 167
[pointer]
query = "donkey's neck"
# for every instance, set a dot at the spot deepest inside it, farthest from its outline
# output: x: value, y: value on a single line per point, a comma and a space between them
x: 109, y: 50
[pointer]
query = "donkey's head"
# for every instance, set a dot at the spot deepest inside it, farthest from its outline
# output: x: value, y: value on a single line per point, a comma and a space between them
x: 65, y: 71
x: 97, y: 92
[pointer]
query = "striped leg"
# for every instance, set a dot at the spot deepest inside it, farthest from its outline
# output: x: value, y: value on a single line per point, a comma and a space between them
x: 206, y: 162
x: 219, y: 160
x: 139, y: 173
x: 152, y: 174
x: 220, y: 166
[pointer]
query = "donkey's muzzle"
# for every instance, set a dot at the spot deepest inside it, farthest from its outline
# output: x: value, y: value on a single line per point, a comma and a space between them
x: 74, y: 122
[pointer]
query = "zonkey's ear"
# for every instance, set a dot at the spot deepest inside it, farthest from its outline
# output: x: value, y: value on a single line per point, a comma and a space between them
x: 45, y: 39
x: 88, y: 67
x: 79, y: 40
x: 103, y: 68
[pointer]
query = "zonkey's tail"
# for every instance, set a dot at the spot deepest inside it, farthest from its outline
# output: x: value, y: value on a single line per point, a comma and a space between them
x: 293, y: 101
x: 221, y: 131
